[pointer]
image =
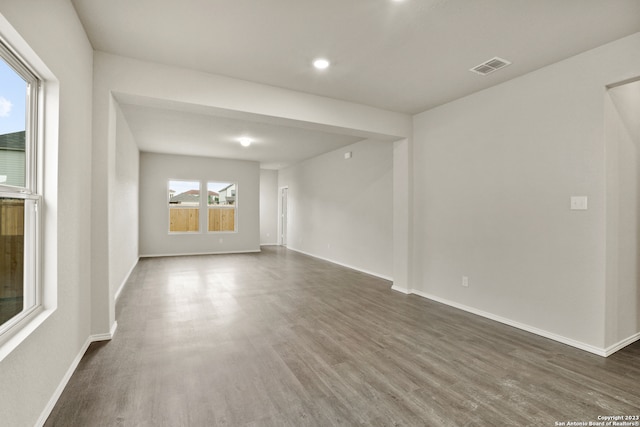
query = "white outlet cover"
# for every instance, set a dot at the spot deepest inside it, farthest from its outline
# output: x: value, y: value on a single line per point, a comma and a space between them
x: 579, y: 203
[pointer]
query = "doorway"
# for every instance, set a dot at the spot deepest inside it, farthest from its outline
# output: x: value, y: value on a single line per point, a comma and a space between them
x: 284, y: 208
x: 622, y: 130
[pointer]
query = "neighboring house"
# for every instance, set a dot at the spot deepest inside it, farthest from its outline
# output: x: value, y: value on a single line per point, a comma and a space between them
x: 189, y: 198
x: 12, y: 158
x: 228, y: 195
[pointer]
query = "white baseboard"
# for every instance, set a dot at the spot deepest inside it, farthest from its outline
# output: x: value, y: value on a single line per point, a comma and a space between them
x: 402, y: 290
x: 112, y: 332
x: 559, y: 338
x: 67, y: 376
x: 200, y: 253
x: 105, y: 337
x: 621, y: 344
x: 126, y: 278
x: 63, y: 383
x: 269, y: 244
x: 371, y: 273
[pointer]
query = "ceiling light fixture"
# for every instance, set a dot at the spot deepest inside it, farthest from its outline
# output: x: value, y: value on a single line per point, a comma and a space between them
x: 244, y: 141
x: 321, y: 63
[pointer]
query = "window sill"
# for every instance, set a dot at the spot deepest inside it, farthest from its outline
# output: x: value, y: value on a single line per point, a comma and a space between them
x: 21, y: 331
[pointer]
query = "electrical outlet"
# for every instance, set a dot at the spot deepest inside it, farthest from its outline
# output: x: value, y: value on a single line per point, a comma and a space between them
x: 578, y: 203
x: 465, y: 281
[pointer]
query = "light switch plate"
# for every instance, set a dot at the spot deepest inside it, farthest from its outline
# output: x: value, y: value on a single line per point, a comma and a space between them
x: 578, y: 203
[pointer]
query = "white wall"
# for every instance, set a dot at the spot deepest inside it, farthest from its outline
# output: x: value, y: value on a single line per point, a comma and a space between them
x: 494, y: 172
x: 155, y: 172
x: 341, y: 210
x: 31, y: 373
x: 402, y: 215
x: 123, y: 215
x: 268, y: 207
x: 622, y: 138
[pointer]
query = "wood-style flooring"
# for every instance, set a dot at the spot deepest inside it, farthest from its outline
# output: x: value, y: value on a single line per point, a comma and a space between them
x: 282, y: 339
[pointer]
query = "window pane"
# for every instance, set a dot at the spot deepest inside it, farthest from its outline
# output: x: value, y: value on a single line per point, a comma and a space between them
x: 221, y: 193
x: 19, y: 288
x: 222, y: 206
x: 13, y: 119
x: 11, y: 258
x: 184, y: 193
x: 222, y: 218
x: 184, y: 203
x: 184, y: 219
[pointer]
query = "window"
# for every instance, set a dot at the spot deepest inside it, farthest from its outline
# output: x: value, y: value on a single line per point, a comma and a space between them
x: 184, y: 206
x: 222, y: 206
x: 20, y: 292
x: 185, y: 203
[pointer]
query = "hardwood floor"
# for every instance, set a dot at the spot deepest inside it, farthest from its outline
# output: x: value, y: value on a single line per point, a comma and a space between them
x: 282, y: 339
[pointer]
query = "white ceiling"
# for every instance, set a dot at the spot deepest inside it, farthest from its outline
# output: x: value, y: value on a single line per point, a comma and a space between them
x: 274, y: 146
x: 401, y: 56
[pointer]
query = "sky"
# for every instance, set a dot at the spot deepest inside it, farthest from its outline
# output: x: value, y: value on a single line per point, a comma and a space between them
x: 13, y: 94
x: 182, y: 186
x: 217, y: 186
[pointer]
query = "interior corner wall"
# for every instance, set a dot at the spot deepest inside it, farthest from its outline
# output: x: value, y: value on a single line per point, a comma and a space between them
x: 268, y: 207
x: 341, y: 209
x: 402, y: 215
x: 622, y: 138
x: 155, y: 172
x: 123, y: 212
x: 31, y: 374
x: 494, y: 173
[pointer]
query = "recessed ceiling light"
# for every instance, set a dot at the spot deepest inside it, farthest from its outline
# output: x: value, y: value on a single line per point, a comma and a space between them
x: 245, y: 142
x: 321, y: 63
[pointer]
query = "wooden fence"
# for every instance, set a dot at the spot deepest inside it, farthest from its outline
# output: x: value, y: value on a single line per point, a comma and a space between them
x: 187, y: 219
x: 11, y: 248
x: 184, y: 219
x: 222, y: 219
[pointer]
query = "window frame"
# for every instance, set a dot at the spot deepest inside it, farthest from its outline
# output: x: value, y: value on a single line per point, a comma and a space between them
x: 235, y: 205
x: 203, y: 207
x: 31, y: 193
x: 169, y: 207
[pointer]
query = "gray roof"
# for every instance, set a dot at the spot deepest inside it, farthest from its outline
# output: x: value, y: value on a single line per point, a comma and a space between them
x: 186, y: 197
x: 12, y: 141
x: 191, y: 196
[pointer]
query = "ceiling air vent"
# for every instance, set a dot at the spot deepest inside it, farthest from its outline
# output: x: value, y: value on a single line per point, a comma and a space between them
x: 490, y: 66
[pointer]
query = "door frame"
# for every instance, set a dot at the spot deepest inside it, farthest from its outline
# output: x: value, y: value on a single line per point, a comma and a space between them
x: 283, y: 215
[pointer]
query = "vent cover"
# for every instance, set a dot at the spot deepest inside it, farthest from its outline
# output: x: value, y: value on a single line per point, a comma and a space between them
x: 490, y: 66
